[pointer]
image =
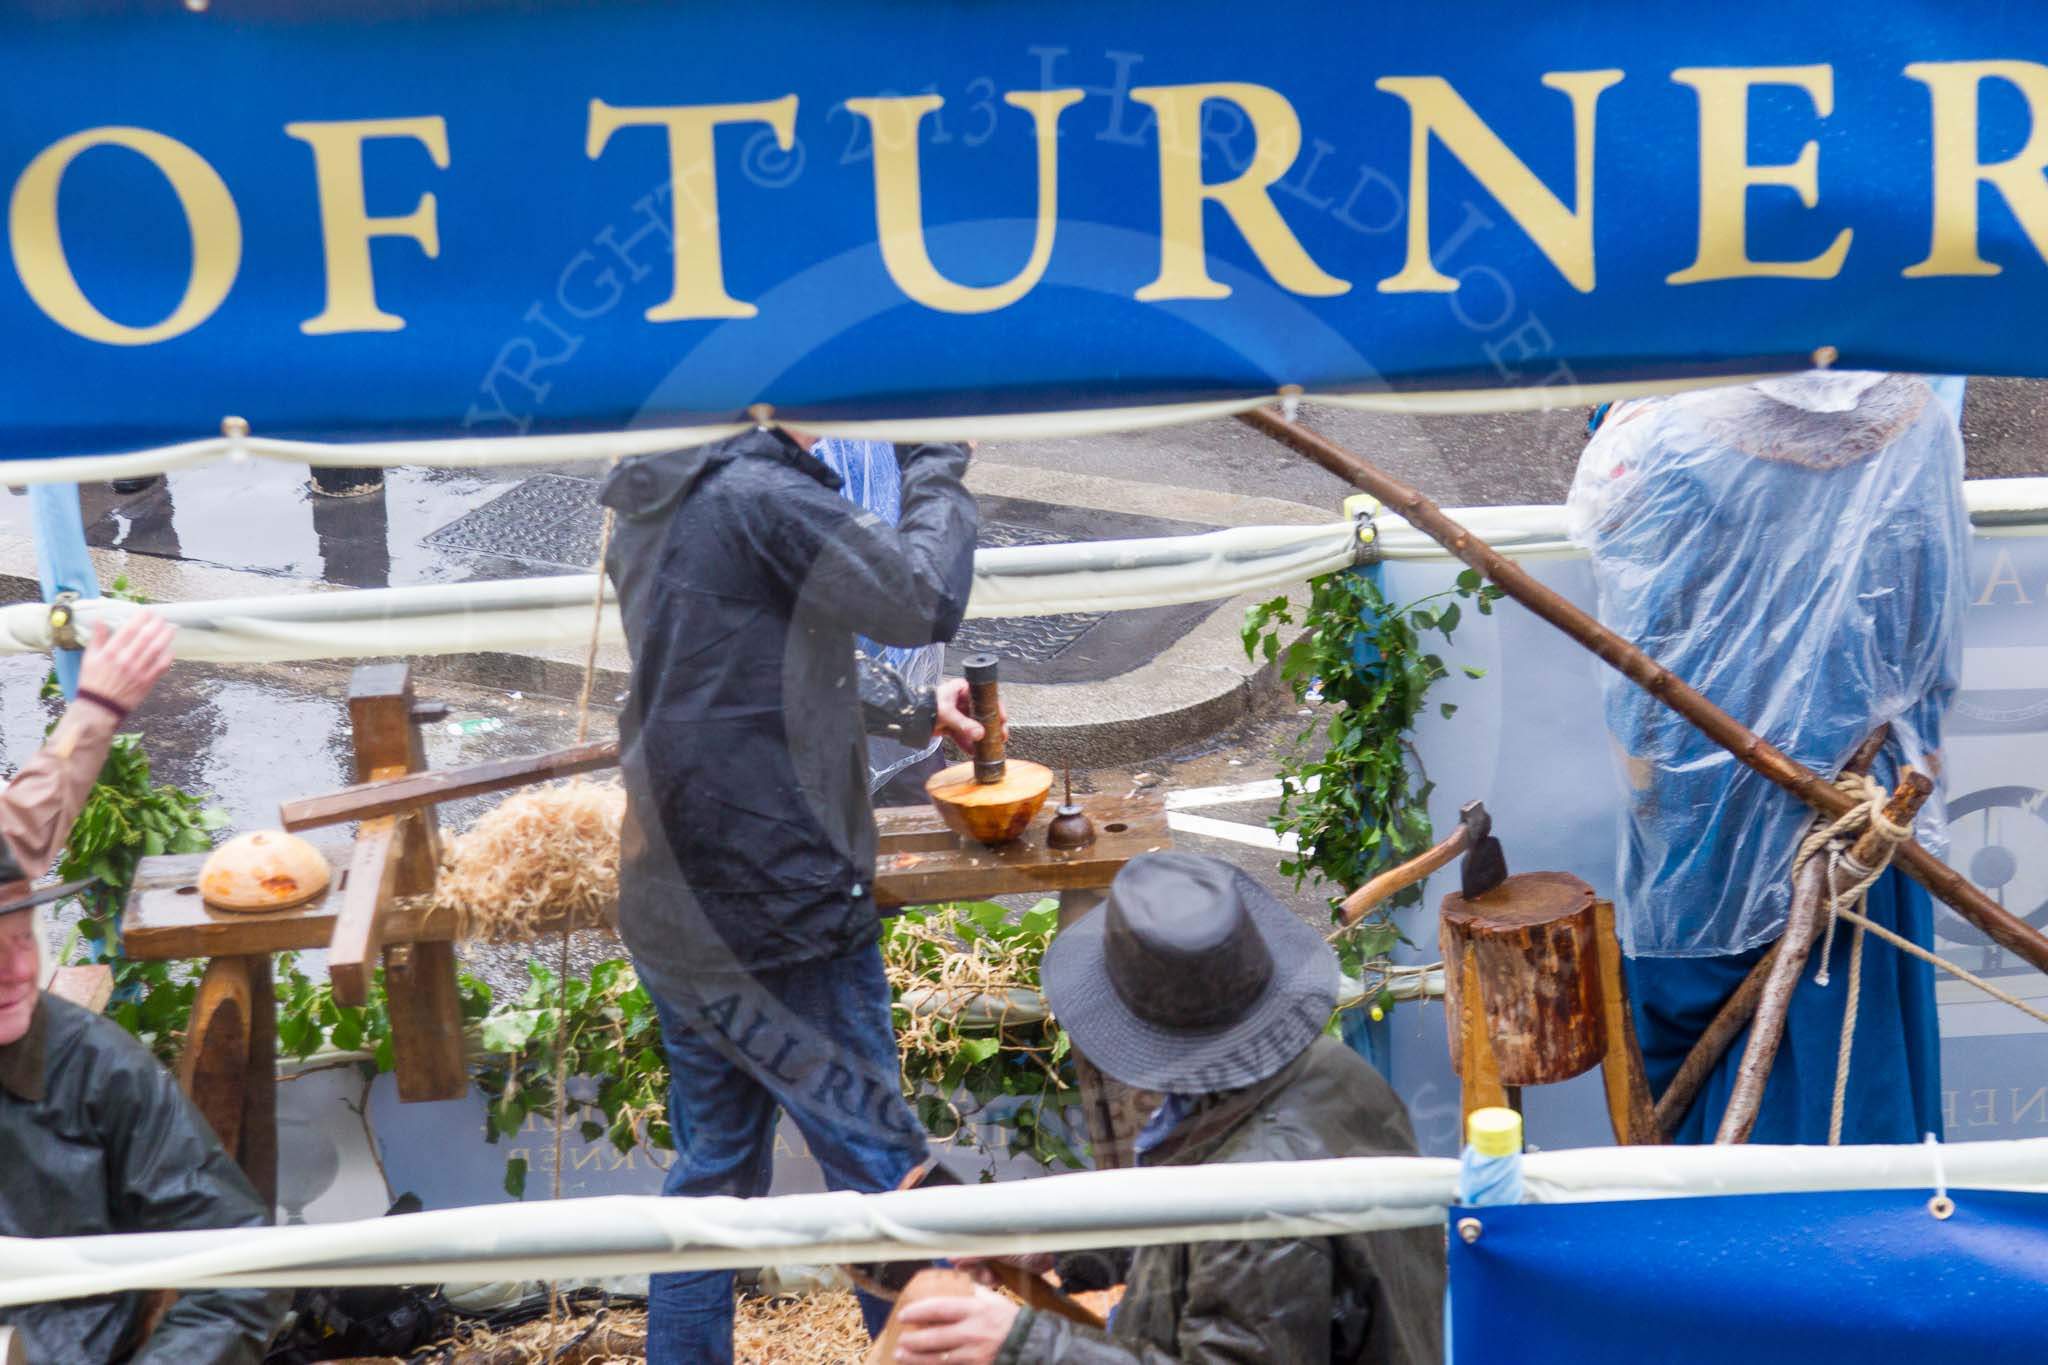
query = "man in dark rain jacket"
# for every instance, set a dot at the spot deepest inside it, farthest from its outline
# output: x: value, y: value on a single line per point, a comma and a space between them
x: 747, y: 880
x: 1193, y: 981
x: 95, y: 1137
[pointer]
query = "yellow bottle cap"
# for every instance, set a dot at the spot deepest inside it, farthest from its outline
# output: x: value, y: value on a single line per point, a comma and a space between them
x: 1494, y: 1132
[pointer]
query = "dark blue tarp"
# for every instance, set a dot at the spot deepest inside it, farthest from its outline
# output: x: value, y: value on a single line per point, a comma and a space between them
x: 1774, y: 1279
x: 531, y: 313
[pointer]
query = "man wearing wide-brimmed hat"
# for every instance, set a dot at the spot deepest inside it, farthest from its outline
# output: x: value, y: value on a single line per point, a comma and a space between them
x: 95, y: 1137
x: 1195, y: 982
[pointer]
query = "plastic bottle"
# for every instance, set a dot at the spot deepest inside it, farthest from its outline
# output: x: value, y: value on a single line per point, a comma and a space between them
x: 1489, y: 1172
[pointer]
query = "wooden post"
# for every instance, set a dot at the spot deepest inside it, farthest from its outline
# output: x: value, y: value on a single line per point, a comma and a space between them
x: 1621, y: 1069
x: 257, y: 1151
x: 2003, y: 927
x: 213, y: 1070
x: 419, y: 978
x: 1115, y: 1112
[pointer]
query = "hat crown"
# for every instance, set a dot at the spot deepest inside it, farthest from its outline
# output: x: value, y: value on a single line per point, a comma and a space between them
x: 1181, y: 949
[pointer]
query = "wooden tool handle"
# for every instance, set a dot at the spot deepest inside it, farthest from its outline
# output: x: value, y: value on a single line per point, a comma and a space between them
x: 1407, y: 874
x: 1038, y: 1293
x: 983, y: 697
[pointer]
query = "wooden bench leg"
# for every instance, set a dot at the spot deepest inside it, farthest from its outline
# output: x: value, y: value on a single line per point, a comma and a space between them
x: 1629, y: 1107
x: 426, y: 1022
x: 214, y: 1068
x: 1114, y: 1111
x: 1478, y: 1071
x: 258, y: 1151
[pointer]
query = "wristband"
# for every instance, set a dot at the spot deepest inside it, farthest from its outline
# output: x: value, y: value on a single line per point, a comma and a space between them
x: 107, y: 704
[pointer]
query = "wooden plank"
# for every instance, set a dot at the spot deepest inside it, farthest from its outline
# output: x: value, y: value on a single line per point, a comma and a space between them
x: 423, y: 790
x: 380, y: 709
x: 258, y: 1152
x: 1621, y: 1070
x: 366, y: 899
x: 213, y: 1069
x: 922, y: 862
x: 167, y: 919
x: 89, y: 986
x: 426, y: 1022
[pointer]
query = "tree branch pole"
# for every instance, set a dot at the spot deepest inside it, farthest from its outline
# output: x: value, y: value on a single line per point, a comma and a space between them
x: 1813, y: 896
x: 2007, y: 930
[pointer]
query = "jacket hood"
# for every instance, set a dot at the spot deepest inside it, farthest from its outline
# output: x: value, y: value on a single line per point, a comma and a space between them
x: 648, y: 487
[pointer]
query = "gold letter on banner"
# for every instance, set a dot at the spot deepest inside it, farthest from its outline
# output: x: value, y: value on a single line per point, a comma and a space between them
x: 346, y: 226
x: 39, y: 246
x: 700, y: 264
x: 1563, y: 234
x: 899, y: 199
x: 1952, y: 87
x: 1727, y: 175
x: 1183, y: 258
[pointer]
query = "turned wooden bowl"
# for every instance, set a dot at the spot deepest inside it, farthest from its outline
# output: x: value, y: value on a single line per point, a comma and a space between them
x: 265, y: 870
x: 990, y: 812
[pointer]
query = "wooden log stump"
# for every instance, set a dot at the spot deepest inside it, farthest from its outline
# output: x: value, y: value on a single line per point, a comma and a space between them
x: 1522, y: 978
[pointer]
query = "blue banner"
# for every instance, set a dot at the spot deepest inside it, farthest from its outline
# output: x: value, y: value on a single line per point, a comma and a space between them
x: 1778, y: 1279
x: 483, y: 218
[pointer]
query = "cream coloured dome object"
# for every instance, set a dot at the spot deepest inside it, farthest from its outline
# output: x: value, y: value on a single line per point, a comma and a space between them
x: 263, y: 870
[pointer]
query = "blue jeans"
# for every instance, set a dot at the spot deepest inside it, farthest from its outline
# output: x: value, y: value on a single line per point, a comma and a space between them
x: 815, y: 1040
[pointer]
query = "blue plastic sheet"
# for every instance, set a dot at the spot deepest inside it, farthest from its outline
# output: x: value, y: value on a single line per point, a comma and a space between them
x: 1781, y: 1279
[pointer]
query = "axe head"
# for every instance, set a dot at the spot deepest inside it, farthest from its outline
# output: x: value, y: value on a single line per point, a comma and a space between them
x: 1485, y: 865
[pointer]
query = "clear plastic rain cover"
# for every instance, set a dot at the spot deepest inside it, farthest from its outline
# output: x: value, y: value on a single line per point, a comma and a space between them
x: 1796, y: 550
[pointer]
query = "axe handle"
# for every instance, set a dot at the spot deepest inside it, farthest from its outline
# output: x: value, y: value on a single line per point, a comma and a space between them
x: 1407, y: 874
x: 1038, y: 1293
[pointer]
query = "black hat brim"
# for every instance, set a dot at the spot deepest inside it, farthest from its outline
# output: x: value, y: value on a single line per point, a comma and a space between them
x: 1290, y: 1013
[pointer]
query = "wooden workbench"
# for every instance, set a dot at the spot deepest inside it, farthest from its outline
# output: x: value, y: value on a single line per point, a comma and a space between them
x: 920, y: 862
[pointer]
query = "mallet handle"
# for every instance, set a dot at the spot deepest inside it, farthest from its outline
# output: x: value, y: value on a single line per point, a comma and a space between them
x: 984, y: 697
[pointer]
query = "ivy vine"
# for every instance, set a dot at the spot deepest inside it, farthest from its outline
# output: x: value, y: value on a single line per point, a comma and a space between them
x: 1352, y: 790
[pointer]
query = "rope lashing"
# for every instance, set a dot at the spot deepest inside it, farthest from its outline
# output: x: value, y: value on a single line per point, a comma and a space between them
x: 1833, y: 841
x: 1845, y: 902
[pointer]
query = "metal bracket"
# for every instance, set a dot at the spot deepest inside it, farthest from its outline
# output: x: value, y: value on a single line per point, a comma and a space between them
x: 1362, y: 508
x: 64, y: 621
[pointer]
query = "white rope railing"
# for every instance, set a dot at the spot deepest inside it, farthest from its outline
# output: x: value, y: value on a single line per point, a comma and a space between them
x: 626, y: 1235
x: 1027, y: 580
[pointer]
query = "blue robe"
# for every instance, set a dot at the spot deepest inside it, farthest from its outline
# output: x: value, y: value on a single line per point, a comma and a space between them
x: 1895, y: 1061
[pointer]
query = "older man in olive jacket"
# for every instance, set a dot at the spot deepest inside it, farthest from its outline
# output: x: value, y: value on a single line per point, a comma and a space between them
x: 1195, y: 982
x: 95, y: 1137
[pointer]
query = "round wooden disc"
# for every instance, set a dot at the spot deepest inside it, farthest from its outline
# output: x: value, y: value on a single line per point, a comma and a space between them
x: 1525, y: 898
x: 990, y: 812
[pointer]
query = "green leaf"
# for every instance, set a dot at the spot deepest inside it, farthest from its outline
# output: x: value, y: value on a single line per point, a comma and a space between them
x: 1469, y: 581
x: 1472, y: 672
x: 1448, y: 709
x: 515, y: 1177
x: 510, y: 1031
x: 1447, y: 619
x: 347, y: 1034
x: 978, y: 1050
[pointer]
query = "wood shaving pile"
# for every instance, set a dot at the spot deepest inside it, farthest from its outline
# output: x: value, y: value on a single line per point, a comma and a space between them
x: 541, y: 858
x: 808, y: 1329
